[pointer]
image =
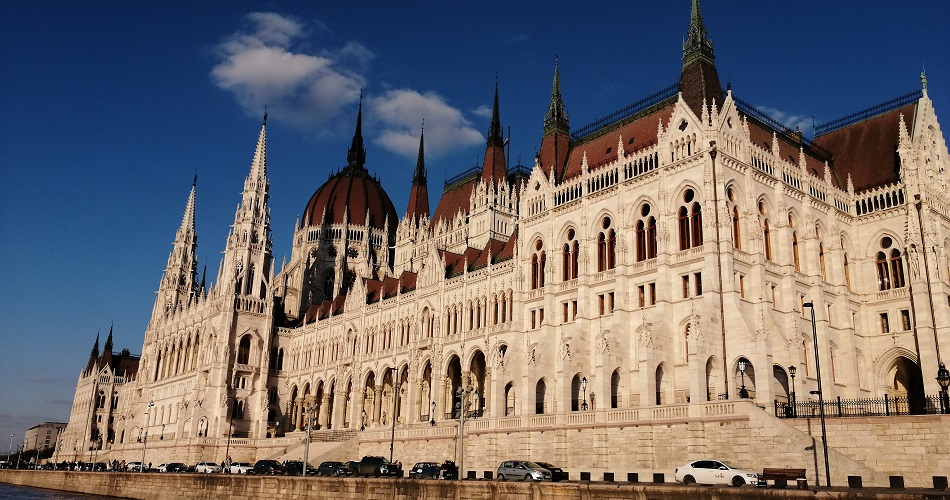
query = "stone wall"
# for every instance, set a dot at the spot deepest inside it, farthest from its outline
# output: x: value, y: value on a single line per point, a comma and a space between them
x: 207, y: 487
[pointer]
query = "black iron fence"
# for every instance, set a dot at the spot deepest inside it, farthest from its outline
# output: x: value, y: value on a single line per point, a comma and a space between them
x: 862, y: 407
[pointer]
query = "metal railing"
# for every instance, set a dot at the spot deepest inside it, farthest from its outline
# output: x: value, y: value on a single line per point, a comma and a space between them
x: 861, y: 407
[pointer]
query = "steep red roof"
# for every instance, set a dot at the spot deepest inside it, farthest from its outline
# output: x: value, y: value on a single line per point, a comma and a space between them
x: 492, y: 248
x: 867, y: 150
x: 601, y: 148
x: 456, y: 199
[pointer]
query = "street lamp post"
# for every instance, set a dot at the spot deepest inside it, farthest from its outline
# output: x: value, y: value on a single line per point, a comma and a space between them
x: 310, y: 406
x: 432, y: 414
x: 943, y: 378
x: 791, y: 370
x: 821, y: 399
x: 148, y: 409
x: 10, y: 451
x: 584, y: 388
x: 392, y: 436
x: 95, y: 458
x: 743, y: 393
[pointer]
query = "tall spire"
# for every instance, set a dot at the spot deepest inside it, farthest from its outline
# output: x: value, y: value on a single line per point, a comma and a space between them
x: 95, y: 348
x: 107, y: 349
x: 699, y: 79
x: 259, y: 163
x: 419, y: 194
x: 179, y: 277
x: 556, y: 119
x: 356, y: 156
x: 494, y: 166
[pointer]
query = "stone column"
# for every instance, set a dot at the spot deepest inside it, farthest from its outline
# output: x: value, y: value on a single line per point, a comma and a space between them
x: 322, y: 418
x: 377, y: 403
x: 298, y: 415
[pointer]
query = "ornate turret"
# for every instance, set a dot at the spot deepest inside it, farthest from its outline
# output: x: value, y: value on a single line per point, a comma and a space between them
x: 699, y: 79
x: 178, y: 281
x: 556, y: 141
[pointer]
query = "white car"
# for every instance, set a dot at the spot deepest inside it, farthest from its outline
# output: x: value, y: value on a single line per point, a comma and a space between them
x: 241, y: 468
x: 134, y: 466
x: 207, y: 468
x: 714, y: 472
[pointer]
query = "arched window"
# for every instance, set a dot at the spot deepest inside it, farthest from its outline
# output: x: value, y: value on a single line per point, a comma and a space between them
x: 606, y: 247
x: 540, y: 394
x: 897, y: 269
x: 537, y: 266
x: 696, y: 223
x: 641, y: 241
x: 651, y: 238
x: 569, y: 256
x: 683, y: 222
x: 328, y: 279
x: 735, y: 228
x: 767, y: 238
x: 883, y: 275
x: 244, y: 350
x: 821, y: 262
x: 509, y: 399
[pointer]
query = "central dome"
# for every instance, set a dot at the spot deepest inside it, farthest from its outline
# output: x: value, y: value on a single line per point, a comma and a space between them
x: 350, y: 197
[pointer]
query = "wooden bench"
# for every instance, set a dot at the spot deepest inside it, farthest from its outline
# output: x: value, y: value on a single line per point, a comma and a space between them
x: 781, y: 476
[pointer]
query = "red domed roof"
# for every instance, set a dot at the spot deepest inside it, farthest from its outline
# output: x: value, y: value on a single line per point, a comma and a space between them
x: 352, y: 194
x: 347, y: 197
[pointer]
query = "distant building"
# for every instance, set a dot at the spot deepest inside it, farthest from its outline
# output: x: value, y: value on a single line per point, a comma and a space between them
x: 42, y: 436
x: 625, y: 302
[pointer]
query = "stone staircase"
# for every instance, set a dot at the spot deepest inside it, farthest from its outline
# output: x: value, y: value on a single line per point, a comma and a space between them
x: 324, y: 445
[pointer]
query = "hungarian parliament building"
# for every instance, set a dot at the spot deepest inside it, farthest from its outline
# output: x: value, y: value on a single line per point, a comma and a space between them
x: 650, y: 290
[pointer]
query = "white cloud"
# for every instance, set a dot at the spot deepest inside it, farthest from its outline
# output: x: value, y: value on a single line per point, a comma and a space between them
x: 484, y: 111
x: 261, y: 68
x: 400, y: 114
x: 803, y: 123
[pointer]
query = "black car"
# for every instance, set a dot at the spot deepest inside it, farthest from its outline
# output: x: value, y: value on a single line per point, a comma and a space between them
x: 268, y: 467
x: 173, y: 467
x: 557, y: 474
x: 434, y: 470
x: 332, y: 469
x: 295, y: 468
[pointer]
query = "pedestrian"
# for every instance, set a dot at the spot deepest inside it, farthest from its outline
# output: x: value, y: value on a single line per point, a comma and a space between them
x: 149, y: 466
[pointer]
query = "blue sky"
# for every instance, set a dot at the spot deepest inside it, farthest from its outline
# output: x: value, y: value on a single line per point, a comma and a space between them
x: 109, y: 109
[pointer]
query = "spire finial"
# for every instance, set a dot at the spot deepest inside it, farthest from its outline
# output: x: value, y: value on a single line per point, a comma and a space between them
x: 923, y: 78
x: 556, y: 119
x: 356, y: 156
x: 494, y: 132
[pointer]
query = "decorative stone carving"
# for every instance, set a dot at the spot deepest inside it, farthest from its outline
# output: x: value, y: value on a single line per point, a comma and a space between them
x: 645, y: 336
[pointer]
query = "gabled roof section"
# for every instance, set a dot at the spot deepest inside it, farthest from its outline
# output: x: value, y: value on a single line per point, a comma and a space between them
x: 508, y: 251
x: 864, y: 145
x: 491, y: 251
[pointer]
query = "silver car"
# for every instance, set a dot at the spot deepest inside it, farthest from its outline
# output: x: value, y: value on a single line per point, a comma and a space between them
x: 523, y: 470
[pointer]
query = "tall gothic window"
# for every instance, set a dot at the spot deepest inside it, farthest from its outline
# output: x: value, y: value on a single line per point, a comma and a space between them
x: 646, y: 235
x: 606, y: 247
x: 569, y: 256
x: 537, y: 266
x: 244, y: 350
x: 821, y: 261
x: 735, y: 228
x: 766, y: 232
x: 883, y: 275
x: 897, y: 269
x: 690, y: 221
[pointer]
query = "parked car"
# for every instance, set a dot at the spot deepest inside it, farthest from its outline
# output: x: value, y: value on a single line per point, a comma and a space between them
x: 241, y: 468
x: 425, y: 470
x: 374, y: 466
x: 172, y: 467
x: 133, y: 466
x: 523, y: 470
x: 295, y: 468
x: 333, y: 469
x: 207, y: 468
x: 557, y: 473
x: 268, y: 467
x: 714, y: 472
x: 434, y: 470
